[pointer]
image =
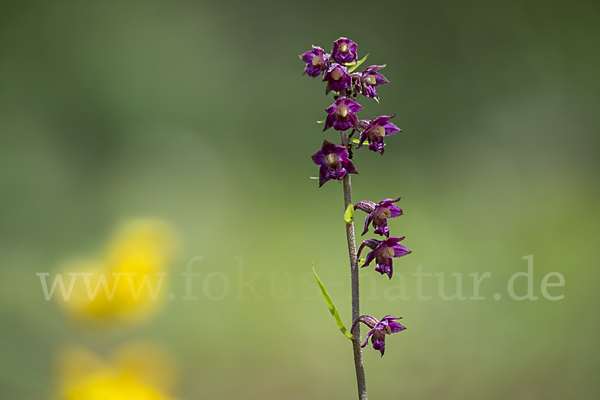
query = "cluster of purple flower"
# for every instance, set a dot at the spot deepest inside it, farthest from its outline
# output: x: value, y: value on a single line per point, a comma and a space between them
x: 335, y: 72
x: 383, y: 251
x: 335, y: 161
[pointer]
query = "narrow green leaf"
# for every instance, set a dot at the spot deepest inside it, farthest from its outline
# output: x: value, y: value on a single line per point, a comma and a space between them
x: 321, y: 122
x: 332, y: 308
x: 349, y: 214
x: 353, y: 66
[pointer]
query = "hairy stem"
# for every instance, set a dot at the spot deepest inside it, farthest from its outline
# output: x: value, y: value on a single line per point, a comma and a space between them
x: 358, y: 359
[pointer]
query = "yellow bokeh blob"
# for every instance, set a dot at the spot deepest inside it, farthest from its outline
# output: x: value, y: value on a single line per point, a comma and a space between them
x: 138, y: 371
x: 130, y: 281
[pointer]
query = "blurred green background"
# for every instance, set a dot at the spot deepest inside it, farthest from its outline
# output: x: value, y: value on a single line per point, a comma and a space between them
x: 194, y: 113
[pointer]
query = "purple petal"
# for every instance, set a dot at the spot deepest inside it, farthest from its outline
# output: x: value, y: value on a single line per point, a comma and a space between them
x: 379, y: 79
x: 323, y: 175
x: 376, y: 144
x: 328, y: 147
x: 365, y: 205
x: 382, y: 119
x: 396, y: 327
x: 395, y: 211
x: 378, y: 341
x: 343, y: 125
x: 368, y: 320
x: 390, y: 129
x: 388, y: 318
x: 367, y: 338
x: 319, y: 158
x: 383, y: 229
x: 353, y: 106
x: 312, y: 70
x: 307, y: 57
x: 349, y: 166
x: 373, y: 68
x: 341, y: 152
x: 387, y: 202
x: 361, y: 140
x: 373, y: 244
x: 337, y: 173
x: 368, y: 220
x: 400, y: 250
x: 353, y: 120
x: 390, y: 242
x: 369, y: 259
x: 329, y: 121
x: 369, y: 91
x: 385, y: 268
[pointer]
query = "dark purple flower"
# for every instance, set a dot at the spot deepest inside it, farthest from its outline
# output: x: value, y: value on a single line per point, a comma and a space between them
x: 370, y: 79
x: 383, y: 252
x: 344, y: 51
x: 341, y: 114
x: 379, y: 213
x: 334, y: 162
x: 379, y: 329
x: 375, y: 131
x: 337, y: 78
x: 316, y: 61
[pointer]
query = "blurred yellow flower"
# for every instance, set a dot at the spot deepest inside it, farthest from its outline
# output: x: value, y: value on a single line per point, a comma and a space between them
x: 137, y: 371
x: 128, y: 284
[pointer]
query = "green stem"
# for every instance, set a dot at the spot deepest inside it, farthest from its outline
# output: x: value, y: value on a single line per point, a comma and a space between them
x: 358, y: 359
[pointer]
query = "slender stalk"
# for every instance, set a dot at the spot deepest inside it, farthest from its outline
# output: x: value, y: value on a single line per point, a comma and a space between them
x: 358, y: 360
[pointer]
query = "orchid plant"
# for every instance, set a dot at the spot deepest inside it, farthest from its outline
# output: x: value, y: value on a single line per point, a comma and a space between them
x: 335, y: 162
